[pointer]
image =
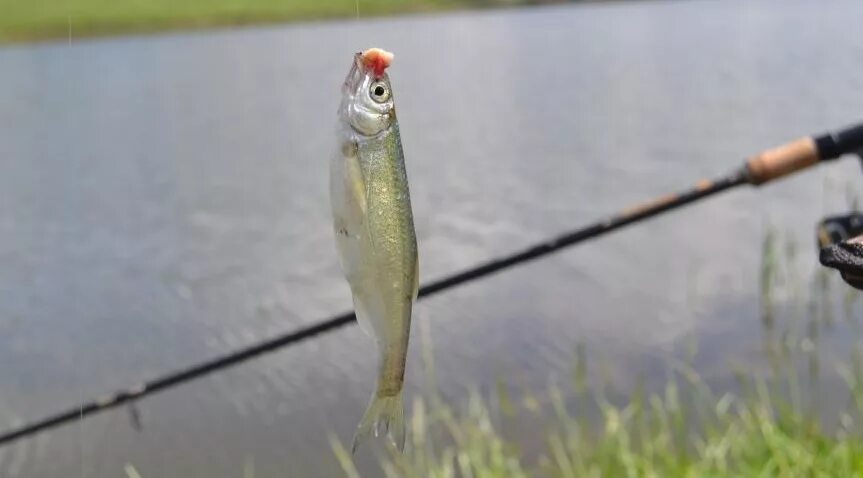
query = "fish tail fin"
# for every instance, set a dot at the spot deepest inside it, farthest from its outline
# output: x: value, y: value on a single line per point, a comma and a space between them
x: 384, y: 416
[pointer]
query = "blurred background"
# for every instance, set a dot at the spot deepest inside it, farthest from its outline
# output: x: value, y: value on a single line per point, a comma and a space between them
x: 163, y: 200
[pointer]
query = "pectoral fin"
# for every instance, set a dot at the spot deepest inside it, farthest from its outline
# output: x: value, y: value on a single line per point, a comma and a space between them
x: 354, y: 182
x: 347, y: 194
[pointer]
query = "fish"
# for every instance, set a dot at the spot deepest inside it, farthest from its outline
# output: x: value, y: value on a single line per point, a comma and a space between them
x: 375, y: 235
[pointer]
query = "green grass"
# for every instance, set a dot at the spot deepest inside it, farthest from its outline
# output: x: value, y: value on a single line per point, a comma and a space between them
x: 653, y: 436
x: 769, y: 424
x: 683, y: 431
x: 45, y: 19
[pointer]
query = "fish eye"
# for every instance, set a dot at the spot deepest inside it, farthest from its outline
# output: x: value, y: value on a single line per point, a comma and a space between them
x: 379, y: 92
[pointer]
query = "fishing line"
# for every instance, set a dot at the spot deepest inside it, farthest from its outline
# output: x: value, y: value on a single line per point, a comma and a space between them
x: 81, y: 392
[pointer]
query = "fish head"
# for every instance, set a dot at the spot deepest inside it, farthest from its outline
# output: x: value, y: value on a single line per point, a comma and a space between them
x: 367, y: 101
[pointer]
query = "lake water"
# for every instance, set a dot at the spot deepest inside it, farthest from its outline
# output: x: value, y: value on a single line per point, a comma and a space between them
x: 164, y: 200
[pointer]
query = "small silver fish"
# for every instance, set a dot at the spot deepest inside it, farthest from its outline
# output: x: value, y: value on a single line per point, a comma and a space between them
x: 375, y: 235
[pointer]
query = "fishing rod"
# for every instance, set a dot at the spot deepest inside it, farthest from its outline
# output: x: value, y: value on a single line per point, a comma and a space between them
x: 760, y: 169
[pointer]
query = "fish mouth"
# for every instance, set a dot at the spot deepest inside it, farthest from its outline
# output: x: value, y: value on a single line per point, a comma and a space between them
x: 355, y: 75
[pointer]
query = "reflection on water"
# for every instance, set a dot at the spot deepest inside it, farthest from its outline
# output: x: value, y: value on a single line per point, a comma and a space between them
x: 164, y: 201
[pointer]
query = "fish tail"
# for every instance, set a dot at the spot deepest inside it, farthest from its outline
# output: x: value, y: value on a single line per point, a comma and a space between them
x: 384, y: 416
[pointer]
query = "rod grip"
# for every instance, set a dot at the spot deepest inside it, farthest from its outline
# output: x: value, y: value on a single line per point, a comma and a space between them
x: 782, y: 161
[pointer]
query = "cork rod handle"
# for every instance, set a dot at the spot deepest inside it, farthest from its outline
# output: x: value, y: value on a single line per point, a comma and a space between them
x: 803, y: 153
x: 782, y: 161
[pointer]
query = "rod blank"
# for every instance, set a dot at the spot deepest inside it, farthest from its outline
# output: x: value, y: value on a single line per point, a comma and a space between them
x: 760, y: 169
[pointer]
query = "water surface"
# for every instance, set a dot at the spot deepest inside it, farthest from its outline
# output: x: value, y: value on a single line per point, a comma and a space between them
x: 164, y: 200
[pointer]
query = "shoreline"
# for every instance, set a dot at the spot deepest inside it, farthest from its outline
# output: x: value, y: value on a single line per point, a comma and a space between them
x: 91, y: 26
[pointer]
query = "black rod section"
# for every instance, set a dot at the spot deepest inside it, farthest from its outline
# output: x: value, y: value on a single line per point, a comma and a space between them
x: 834, y: 145
x: 760, y: 169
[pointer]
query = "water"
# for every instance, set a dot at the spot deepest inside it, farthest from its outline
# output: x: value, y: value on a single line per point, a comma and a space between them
x: 164, y: 201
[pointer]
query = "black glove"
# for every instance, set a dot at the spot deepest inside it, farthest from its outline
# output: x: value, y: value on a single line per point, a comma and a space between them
x: 847, y: 258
